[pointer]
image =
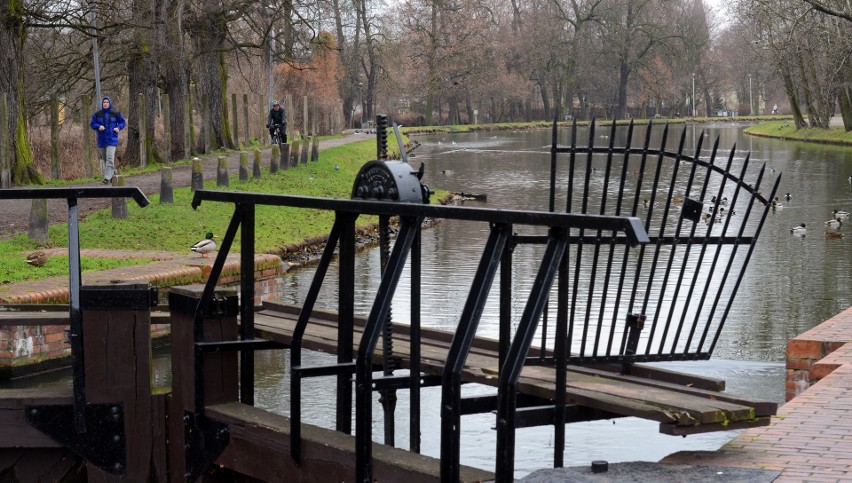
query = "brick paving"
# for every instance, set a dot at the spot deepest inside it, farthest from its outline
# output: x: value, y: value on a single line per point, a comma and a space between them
x: 810, y: 440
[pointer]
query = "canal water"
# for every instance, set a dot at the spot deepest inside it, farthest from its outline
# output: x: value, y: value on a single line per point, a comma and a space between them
x: 793, y: 283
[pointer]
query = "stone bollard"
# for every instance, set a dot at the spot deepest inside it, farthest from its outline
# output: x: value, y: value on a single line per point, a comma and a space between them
x: 119, y: 205
x: 167, y: 188
x: 273, y: 160
x: 315, y: 149
x: 197, y: 175
x: 255, y: 169
x: 244, y: 166
x: 38, y: 221
x: 222, y: 172
x: 306, y: 145
x: 294, y: 153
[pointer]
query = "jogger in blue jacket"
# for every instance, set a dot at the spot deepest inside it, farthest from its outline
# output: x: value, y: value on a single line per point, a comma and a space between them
x: 107, y: 123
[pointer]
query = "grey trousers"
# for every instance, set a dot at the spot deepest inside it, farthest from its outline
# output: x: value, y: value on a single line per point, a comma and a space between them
x: 107, y: 156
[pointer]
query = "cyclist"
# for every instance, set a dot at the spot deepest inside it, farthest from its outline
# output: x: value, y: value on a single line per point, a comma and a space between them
x: 277, y: 119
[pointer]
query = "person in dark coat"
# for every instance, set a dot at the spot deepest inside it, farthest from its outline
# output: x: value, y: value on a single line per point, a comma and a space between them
x: 107, y: 123
x: 277, y: 117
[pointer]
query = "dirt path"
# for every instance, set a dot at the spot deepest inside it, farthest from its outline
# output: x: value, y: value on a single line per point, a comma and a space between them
x: 15, y: 214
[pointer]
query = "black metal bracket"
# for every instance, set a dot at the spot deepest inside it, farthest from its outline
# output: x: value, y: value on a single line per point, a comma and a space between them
x: 691, y: 210
x: 102, y: 444
x: 204, y: 441
x: 108, y: 298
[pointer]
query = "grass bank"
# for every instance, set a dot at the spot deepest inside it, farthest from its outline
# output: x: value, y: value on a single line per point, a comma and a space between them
x: 174, y: 227
x: 785, y: 129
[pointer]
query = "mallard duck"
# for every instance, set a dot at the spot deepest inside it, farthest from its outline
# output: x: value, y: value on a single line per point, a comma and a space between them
x: 833, y: 234
x: 206, y: 245
x: 833, y: 224
x: 799, y: 230
x: 840, y: 214
x: 788, y: 197
x: 37, y: 259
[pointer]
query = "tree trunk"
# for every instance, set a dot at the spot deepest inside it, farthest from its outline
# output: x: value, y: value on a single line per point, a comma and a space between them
x: 845, y: 98
x: 212, y: 75
x: 174, y: 72
x: 431, y: 67
x: 545, y: 99
x: 792, y: 96
x: 142, y: 79
x: 12, y: 35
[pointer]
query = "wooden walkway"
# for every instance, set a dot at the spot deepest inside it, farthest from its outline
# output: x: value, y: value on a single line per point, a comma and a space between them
x: 681, y: 403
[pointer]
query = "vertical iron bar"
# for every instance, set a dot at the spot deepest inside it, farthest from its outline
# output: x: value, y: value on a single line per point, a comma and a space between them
x: 626, y: 255
x: 659, y: 246
x: 710, y: 226
x: 682, y: 271
x: 700, y: 261
x: 459, y: 349
x: 610, y: 254
x: 560, y: 357
x: 346, y: 320
x: 507, y: 385
x: 387, y: 397
x: 414, y: 375
x: 584, y: 210
x: 568, y: 207
x: 505, y: 329
x: 204, y: 302
x: 299, y: 332
x: 408, y: 227
x: 247, y: 303
x: 75, y: 316
x: 748, y: 254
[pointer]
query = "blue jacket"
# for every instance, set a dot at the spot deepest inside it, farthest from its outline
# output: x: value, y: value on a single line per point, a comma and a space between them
x: 109, y: 119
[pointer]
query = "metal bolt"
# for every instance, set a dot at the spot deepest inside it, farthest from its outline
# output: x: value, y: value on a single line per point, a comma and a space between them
x: 186, y: 418
x: 33, y: 412
x: 117, y: 466
x: 116, y: 438
x: 187, y: 475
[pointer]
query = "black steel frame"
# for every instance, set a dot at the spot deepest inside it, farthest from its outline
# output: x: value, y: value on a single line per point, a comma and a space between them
x: 342, y: 236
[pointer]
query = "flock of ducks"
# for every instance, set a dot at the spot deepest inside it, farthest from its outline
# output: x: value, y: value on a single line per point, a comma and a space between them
x: 832, y: 226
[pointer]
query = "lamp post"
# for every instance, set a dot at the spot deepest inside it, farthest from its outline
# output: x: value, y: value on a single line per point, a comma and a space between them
x: 750, y: 102
x: 693, y: 94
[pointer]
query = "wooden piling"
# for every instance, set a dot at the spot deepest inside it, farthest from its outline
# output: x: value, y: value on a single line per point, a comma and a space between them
x: 246, y: 134
x: 197, y: 175
x: 315, y: 148
x: 38, y: 221
x: 244, y: 175
x: 284, y: 158
x: 273, y: 159
x: 167, y: 189
x: 119, y: 205
x: 255, y: 168
x: 306, y: 145
x: 294, y: 153
x: 222, y: 178
x: 117, y: 345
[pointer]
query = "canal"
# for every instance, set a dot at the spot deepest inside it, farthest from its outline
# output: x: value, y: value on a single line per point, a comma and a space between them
x: 793, y: 283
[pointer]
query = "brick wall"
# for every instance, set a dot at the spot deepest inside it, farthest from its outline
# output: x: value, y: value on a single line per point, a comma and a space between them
x: 805, y: 353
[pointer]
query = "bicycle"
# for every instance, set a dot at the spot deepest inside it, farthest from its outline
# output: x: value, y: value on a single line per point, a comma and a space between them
x: 278, y: 135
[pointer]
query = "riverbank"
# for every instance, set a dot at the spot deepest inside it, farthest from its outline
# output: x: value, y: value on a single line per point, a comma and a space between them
x: 787, y: 131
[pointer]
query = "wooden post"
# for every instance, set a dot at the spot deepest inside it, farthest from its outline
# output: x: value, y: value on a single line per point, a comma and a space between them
x: 255, y: 168
x: 143, y: 142
x: 222, y: 172
x: 219, y: 369
x: 273, y: 159
x: 5, y: 144
x: 246, y: 124
x: 314, y: 148
x: 197, y: 175
x: 87, y: 136
x: 291, y: 124
x: 244, y: 176
x: 306, y: 145
x: 117, y: 366
x: 167, y: 189
x: 294, y: 152
x: 38, y: 221
x: 54, y: 137
x: 284, y: 158
x: 206, y: 136
x: 119, y: 205
x: 167, y: 127
x: 234, y: 116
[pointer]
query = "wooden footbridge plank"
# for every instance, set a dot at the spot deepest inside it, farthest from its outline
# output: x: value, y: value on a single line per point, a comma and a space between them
x: 681, y: 408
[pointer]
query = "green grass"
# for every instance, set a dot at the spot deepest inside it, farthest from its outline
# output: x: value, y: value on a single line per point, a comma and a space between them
x: 787, y: 130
